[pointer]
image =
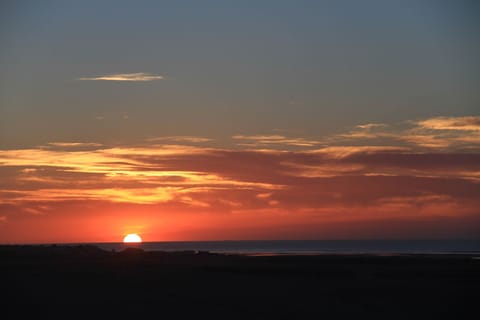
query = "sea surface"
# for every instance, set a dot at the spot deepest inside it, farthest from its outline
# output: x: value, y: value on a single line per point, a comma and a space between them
x: 278, y: 247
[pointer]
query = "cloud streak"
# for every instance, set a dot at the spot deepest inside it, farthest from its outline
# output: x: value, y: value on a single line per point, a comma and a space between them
x: 74, y: 144
x: 186, y: 139
x: 272, y: 140
x: 441, y: 133
x: 451, y: 123
x: 130, y: 77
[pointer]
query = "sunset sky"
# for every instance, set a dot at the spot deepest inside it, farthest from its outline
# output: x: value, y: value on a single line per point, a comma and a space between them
x: 213, y: 120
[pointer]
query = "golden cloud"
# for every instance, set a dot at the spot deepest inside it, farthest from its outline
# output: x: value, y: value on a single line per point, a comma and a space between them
x: 471, y: 123
x: 138, y: 76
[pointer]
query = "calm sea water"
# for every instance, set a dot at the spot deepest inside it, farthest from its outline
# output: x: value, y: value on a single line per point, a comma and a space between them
x: 310, y: 246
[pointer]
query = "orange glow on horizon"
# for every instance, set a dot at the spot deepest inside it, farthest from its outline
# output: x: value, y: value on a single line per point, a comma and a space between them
x: 257, y: 187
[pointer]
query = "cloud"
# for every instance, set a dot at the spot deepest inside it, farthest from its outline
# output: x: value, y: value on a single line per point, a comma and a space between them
x: 338, y: 152
x: 188, y: 139
x: 264, y: 195
x: 128, y: 195
x: 301, y: 189
x: 146, y: 174
x: 265, y: 140
x: 471, y: 123
x: 369, y: 126
x: 407, y: 172
x: 426, y: 140
x: 74, y: 144
x: 139, y: 76
x: 442, y: 133
x: 366, y: 131
x: 460, y: 133
x: 163, y: 173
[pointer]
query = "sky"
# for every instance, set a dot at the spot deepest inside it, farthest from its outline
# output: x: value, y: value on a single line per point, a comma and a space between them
x: 215, y: 120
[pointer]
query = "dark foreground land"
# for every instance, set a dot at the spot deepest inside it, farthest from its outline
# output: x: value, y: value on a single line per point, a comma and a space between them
x: 86, y: 282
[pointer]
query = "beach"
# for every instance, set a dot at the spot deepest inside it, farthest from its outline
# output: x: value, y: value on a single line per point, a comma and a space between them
x: 53, y: 282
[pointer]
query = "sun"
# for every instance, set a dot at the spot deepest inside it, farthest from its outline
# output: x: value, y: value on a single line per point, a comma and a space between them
x: 132, y: 238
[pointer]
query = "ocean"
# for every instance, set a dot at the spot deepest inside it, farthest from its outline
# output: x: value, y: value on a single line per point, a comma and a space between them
x: 278, y: 247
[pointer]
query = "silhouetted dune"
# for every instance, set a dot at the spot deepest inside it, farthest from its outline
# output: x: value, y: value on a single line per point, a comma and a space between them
x: 65, y: 282
x: 51, y: 250
x: 132, y: 251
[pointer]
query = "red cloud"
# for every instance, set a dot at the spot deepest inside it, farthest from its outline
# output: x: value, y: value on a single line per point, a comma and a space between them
x: 182, y: 192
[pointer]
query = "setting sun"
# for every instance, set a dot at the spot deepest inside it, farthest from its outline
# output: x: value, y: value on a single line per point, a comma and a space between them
x: 132, y: 238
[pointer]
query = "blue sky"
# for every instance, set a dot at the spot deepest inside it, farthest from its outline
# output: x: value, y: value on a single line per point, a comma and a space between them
x: 231, y: 67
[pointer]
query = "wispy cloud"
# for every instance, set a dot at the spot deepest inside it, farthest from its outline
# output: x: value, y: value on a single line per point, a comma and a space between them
x: 138, y: 76
x: 188, y: 139
x: 471, y: 123
x: 368, y: 126
x: 366, y: 131
x: 426, y: 140
x: 338, y: 152
x: 442, y: 133
x: 265, y: 140
x: 74, y: 144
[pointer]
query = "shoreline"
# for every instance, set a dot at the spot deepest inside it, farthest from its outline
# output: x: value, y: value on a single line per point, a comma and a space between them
x: 251, y: 253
